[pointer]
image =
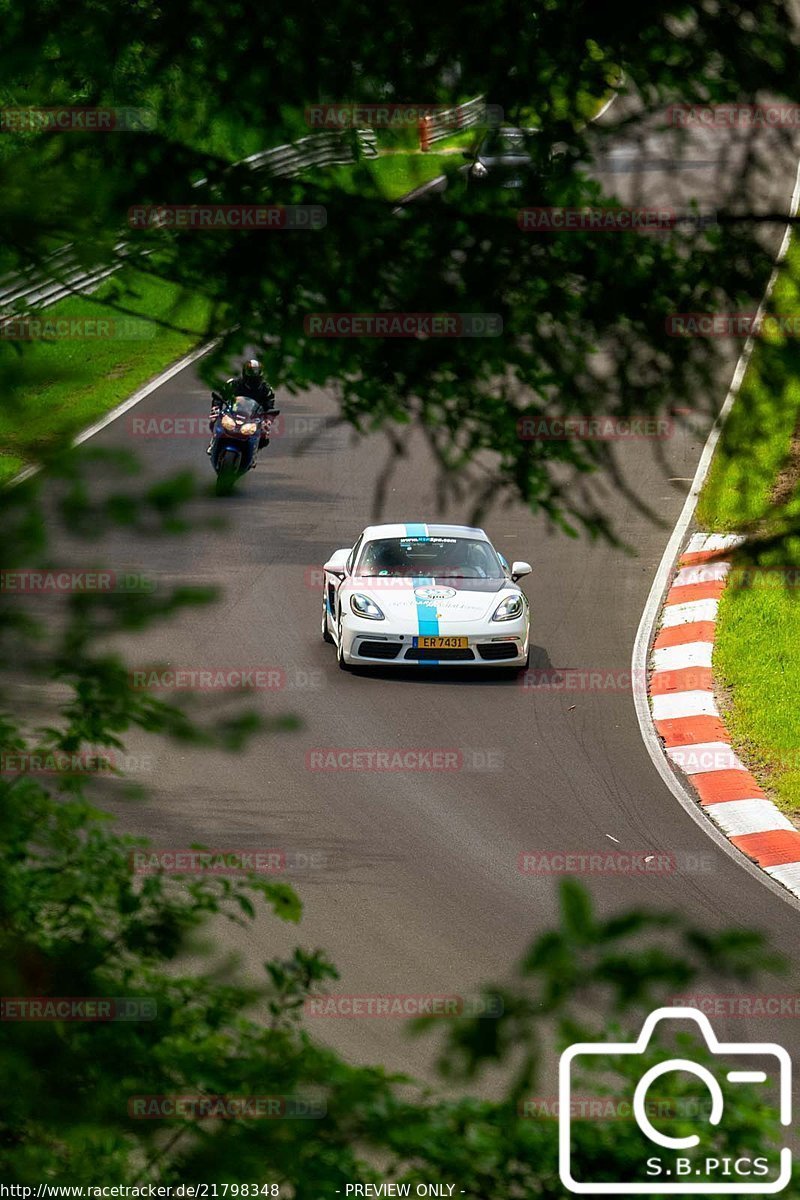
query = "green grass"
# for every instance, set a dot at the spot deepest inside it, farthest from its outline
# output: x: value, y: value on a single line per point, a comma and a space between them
x: 756, y: 438
x: 758, y: 630
x: 55, y: 388
x: 755, y: 658
x: 392, y: 176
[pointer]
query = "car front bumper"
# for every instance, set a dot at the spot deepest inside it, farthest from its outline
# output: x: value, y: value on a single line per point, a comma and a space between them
x: 365, y: 645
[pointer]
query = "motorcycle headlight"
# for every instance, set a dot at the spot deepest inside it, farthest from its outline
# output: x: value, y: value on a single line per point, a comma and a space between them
x: 250, y: 427
x: 362, y: 606
x: 228, y: 422
x: 509, y: 609
x: 479, y: 170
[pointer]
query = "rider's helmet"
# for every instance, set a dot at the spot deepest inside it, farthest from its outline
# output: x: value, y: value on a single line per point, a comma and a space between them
x: 252, y: 369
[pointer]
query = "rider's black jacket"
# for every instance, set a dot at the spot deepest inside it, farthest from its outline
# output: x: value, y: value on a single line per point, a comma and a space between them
x: 256, y: 389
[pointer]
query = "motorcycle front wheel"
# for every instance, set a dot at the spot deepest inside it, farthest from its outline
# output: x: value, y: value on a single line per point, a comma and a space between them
x: 227, y: 472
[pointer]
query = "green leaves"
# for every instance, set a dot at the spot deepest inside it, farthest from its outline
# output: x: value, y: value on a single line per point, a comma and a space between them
x: 565, y: 305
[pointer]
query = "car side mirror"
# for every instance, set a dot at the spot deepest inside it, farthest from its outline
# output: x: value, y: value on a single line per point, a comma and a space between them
x: 467, y: 154
x: 337, y: 563
x: 518, y: 569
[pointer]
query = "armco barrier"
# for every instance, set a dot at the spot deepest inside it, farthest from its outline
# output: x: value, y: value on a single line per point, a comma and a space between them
x: 445, y: 122
x: 63, y: 277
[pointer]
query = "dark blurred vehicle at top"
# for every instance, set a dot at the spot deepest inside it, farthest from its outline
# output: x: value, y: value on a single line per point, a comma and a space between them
x: 512, y: 159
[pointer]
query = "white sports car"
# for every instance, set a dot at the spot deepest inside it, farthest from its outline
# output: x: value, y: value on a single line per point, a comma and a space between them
x: 428, y: 595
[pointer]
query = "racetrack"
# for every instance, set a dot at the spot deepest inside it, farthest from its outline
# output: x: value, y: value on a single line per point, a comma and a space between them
x: 416, y: 887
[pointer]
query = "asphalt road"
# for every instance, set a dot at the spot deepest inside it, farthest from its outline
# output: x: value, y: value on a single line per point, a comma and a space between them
x: 413, y: 884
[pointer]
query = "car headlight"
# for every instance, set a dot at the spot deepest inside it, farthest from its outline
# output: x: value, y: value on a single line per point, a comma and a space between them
x: 509, y: 609
x: 479, y: 170
x: 362, y: 606
x: 250, y: 427
x: 228, y: 422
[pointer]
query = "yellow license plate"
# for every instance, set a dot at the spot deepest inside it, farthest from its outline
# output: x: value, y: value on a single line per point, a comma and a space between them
x: 441, y: 643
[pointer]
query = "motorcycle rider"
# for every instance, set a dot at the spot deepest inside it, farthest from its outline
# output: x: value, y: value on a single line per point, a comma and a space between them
x: 250, y: 382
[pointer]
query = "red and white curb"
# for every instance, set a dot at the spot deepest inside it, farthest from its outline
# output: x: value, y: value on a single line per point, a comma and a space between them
x: 688, y: 722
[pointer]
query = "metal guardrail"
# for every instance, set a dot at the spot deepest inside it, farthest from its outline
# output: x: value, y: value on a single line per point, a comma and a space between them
x: 329, y: 148
x: 64, y: 277
x: 446, y: 122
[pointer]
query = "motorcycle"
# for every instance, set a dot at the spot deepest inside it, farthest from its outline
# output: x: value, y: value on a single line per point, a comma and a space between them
x: 235, y: 437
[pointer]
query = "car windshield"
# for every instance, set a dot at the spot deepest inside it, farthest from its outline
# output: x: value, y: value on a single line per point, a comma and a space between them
x: 243, y: 406
x: 501, y: 142
x: 448, y: 557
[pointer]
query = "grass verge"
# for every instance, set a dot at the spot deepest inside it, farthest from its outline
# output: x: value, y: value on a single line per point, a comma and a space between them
x: 752, y: 488
x: 393, y: 175
x: 58, y: 386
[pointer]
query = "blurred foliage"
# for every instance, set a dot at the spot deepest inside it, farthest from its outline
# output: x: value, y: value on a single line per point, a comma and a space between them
x: 77, y: 920
x: 580, y: 335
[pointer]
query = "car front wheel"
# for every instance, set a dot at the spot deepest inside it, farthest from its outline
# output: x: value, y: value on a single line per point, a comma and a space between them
x: 326, y: 633
x: 343, y: 666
